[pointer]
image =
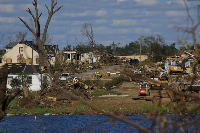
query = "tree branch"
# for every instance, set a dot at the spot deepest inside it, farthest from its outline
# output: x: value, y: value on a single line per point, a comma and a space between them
x: 47, y: 8
x: 29, y: 11
x: 49, y: 19
x: 31, y: 30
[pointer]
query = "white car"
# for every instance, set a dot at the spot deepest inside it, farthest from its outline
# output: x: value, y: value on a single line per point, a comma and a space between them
x: 65, y: 76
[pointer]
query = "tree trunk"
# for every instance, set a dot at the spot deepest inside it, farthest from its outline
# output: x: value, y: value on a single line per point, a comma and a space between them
x: 25, y: 91
x: 3, y: 82
x: 5, y: 100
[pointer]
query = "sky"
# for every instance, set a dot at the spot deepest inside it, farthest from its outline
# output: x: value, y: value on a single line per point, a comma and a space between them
x: 121, y: 21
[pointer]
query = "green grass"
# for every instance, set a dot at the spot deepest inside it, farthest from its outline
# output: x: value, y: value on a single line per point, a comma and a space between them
x: 79, y: 104
x: 153, y: 108
x: 99, y: 93
x: 34, y: 111
x: 13, y: 103
x: 79, y: 111
x: 34, y: 94
x: 195, y: 109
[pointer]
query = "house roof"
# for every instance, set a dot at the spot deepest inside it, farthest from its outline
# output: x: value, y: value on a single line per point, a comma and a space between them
x: 28, y: 43
x: 30, y: 69
x: 31, y: 44
x: 11, y: 45
x: 16, y: 68
x: 2, y: 51
x: 50, y: 49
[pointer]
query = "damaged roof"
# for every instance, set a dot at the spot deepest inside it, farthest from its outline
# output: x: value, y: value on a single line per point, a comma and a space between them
x: 17, y: 68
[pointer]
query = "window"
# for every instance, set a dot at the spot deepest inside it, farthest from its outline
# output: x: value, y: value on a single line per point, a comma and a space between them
x: 77, y: 56
x: 8, y: 60
x: 20, y: 49
x: 67, y: 57
x: 37, y: 61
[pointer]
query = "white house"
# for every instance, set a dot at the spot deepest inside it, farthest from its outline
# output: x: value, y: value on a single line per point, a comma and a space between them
x: 26, y: 52
x: 33, y: 75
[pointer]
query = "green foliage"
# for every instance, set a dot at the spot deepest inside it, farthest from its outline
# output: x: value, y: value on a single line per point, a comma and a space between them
x: 153, y: 46
x: 108, y: 85
x: 114, y: 81
x: 15, y: 83
x: 100, y: 93
x: 34, y: 94
x: 67, y: 48
x: 20, y: 80
x: 45, y: 83
x: 13, y: 103
x: 87, y: 82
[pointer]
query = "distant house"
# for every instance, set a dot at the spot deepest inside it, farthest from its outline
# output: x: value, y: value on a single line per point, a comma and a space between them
x: 33, y: 72
x: 71, y: 56
x: 27, y: 52
x: 93, y: 57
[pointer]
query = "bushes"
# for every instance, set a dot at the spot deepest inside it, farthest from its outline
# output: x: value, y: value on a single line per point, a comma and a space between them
x: 87, y: 82
x: 114, y: 81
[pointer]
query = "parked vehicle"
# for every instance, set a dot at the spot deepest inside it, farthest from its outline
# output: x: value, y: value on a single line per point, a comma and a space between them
x: 65, y: 77
x: 133, y: 61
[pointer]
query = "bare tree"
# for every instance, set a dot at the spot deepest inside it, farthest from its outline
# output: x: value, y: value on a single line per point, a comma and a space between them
x: 87, y: 31
x: 21, y: 36
x: 41, y: 41
x: 5, y: 100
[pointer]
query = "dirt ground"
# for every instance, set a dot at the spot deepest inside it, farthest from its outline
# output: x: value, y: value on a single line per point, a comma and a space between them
x: 122, y: 105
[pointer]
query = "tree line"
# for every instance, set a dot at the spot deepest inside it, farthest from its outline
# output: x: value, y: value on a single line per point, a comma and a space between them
x: 153, y: 46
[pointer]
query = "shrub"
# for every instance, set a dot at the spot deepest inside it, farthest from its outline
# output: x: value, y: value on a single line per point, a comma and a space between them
x: 87, y: 82
x: 108, y: 85
x: 114, y: 81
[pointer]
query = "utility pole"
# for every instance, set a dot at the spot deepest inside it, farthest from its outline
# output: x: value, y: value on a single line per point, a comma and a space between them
x: 32, y: 54
x: 140, y: 49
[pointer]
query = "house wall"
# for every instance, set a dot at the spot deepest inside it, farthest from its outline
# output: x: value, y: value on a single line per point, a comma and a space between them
x: 36, y: 83
x: 14, y: 53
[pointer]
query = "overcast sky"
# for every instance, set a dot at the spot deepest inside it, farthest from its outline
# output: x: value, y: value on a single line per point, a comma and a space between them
x: 121, y: 21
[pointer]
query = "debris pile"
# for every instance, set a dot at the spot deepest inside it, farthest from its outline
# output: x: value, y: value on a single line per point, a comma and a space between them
x: 110, y: 59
